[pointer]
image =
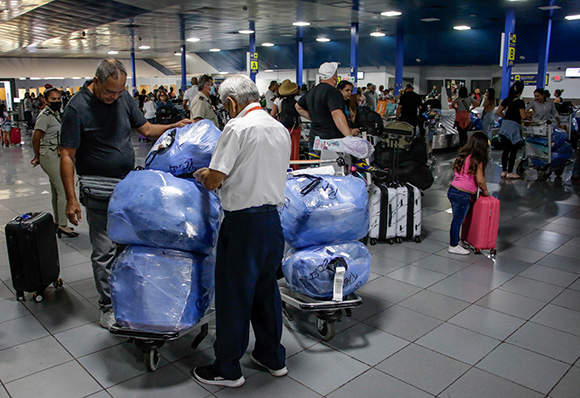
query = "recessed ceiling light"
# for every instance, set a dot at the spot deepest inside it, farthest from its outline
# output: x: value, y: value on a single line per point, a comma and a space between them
x: 391, y: 13
x: 269, y: 70
x: 430, y: 19
x: 177, y: 54
x: 461, y: 27
x: 193, y: 39
x: 301, y: 23
x: 214, y: 50
x: 223, y: 73
x: 77, y: 77
x: 268, y: 44
x: 377, y: 34
x: 113, y: 52
x: 548, y: 8
x: 342, y: 29
x: 522, y: 57
x: 323, y: 39
x: 418, y: 60
x: 246, y: 31
x: 144, y: 47
x: 23, y: 78
x: 572, y: 17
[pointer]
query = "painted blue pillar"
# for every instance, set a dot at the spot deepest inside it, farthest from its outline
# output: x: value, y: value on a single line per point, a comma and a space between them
x: 506, y: 70
x: 544, y: 50
x: 399, y: 56
x: 134, y: 74
x: 300, y: 55
x: 354, y: 36
x: 183, y: 59
x: 253, y: 72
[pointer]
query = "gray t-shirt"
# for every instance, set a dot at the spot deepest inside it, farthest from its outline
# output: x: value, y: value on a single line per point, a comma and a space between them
x: 101, y: 133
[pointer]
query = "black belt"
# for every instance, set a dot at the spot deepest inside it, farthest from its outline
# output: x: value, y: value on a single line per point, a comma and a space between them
x: 249, y: 210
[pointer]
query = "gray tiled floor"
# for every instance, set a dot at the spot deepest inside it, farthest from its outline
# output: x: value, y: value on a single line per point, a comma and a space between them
x: 432, y: 324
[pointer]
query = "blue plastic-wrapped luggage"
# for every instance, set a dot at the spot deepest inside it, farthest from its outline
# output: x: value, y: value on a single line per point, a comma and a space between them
x: 324, y: 209
x: 309, y: 271
x: 559, y: 157
x: 153, y: 208
x: 184, y: 150
x: 161, y: 290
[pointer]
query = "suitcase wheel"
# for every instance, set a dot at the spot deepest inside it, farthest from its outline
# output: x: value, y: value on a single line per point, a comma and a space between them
x: 373, y: 241
x: 391, y: 241
x: 37, y: 297
x: 399, y: 240
x: 57, y: 283
x: 417, y: 239
x: 493, y: 252
x: 477, y: 251
x: 20, y: 296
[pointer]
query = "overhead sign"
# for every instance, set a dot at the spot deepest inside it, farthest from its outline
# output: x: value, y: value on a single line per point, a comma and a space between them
x: 254, y: 62
x: 572, y: 72
x: 512, y: 49
x: 528, y: 80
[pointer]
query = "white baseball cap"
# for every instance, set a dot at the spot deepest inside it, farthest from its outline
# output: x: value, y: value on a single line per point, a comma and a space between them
x: 327, y: 70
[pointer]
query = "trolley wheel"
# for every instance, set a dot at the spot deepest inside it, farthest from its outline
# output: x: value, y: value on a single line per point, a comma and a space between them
x: 417, y: 239
x: 37, y: 297
x: 20, y: 296
x: 57, y: 283
x: 521, y: 167
x: 151, y: 359
x: 325, y: 329
x: 493, y: 252
x: 373, y: 241
x: 545, y: 175
x: 200, y: 336
x: 559, y: 172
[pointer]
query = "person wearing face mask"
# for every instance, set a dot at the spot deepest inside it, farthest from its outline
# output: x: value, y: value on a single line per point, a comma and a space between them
x: 201, y: 107
x: 45, y: 142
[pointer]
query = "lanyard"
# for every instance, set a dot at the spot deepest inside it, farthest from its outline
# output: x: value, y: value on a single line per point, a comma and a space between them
x: 252, y: 109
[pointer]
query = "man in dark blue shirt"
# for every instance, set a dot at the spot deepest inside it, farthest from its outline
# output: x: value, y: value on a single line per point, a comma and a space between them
x: 96, y: 138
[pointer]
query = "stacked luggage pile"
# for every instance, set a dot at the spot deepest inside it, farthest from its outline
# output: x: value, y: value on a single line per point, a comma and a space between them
x: 164, y: 280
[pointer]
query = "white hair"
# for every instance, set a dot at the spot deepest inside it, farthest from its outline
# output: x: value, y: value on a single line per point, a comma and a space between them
x: 241, y: 88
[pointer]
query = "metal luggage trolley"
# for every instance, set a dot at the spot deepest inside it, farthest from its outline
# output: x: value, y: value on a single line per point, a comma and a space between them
x: 150, y: 343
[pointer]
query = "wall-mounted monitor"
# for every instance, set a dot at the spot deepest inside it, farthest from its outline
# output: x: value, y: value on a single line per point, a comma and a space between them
x: 360, y: 75
x: 572, y: 72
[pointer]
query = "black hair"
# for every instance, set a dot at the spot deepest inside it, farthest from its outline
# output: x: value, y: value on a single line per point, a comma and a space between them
x: 50, y: 90
x: 491, y: 97
x: 477, y: 146
x: 462, y: 92
x: 343, y: 83
x: 540, y: 91
x: 515, y: 91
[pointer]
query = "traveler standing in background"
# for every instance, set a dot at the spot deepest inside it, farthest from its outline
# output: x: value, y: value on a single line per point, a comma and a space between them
x: 5, y: 125
x: 45, y: 142
x: 463, y: 105
x: 189, y: 95
x: 513, y: 110
x: 488, y: 117
x: 285, y: 110
x: 409, y: 105
x: 542, y: 108
x: 28, y: 111
x: 201, y: 107
x: 271, y: 95
x: 371, y: 96
x: 558, y: 96
x: 345, y: 87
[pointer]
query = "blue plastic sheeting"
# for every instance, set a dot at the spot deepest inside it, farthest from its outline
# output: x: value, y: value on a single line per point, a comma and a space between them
x: 308, y: 271
x: 184, y: 150
x: 559, y: 157
x: 153, y: 208
x: 476, y: 122
x: 161, y: 290
x: 559, y: 138
x: 324, y: 209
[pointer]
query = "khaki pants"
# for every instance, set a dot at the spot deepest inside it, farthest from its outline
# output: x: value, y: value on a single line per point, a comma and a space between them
x: 50, y: 163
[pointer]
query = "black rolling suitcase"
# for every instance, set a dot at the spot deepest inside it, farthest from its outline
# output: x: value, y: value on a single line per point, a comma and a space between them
x: 33, y: 254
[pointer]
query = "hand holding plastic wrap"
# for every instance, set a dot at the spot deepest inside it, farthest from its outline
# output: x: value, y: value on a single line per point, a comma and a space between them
x: 161, y: 290
x: 153, y: 208
x: 184, y: 150
x: 307, y: 271
x: 324, y: 209
x: 355, y: 146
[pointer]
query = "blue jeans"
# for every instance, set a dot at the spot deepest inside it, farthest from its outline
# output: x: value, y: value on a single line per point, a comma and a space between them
x: 460, y: 202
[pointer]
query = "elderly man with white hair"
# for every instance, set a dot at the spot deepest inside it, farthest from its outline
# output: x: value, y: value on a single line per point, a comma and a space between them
x: 249, y: 166
x: 324, y: 107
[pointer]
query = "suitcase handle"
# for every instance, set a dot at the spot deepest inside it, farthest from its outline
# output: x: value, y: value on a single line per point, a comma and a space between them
x: 23, y: 217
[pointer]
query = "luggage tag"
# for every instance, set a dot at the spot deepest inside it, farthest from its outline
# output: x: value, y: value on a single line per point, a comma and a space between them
x: 340, y: 267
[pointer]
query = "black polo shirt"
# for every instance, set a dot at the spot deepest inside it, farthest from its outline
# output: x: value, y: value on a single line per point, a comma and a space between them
x: 101, y: 133
x: 320, y: 102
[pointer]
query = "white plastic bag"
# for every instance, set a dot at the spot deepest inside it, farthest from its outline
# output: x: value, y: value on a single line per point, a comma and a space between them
x: 355, y: 146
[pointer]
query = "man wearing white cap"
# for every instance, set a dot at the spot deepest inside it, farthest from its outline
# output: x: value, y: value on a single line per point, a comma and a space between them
x: 324, y: 107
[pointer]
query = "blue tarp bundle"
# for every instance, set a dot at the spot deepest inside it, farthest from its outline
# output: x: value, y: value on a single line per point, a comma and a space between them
x: 559, y: 157
x: 184, y: 150
x: 153, y: 208
x: 476, y: 122
x: 308, y: 271
x: 161, y: 290
x: 324, y: 209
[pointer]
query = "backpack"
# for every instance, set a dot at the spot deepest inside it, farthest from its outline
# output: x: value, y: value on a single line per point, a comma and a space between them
x: 289, y: 116
x: 366, y: 117
x: 167, y: 115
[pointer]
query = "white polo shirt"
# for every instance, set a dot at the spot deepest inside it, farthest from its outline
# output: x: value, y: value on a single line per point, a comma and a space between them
x: 253, y: 152
x: 190, y: 95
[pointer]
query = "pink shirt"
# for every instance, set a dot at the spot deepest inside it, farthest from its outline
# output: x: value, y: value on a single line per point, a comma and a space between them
x: 465, y: 181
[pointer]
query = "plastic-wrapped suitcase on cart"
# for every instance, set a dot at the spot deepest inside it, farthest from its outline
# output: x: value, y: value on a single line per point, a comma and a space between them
x: 481, y: 224
x: 33, y: 254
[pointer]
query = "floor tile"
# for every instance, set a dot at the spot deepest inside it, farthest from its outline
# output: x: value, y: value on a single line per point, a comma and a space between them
x: 11, y: 309
x: 545, y: 246
x: 488, y: 322
x: 479, y: 384
x: 569, y: 251
x: 483, y: 276
x: 423, y: 368
x: 389, y: 289
x: 523, y: 254
x: 561, y: 229
x: 440, y: 264
x: 377, y: 384
x: 417, y: 276
x: 76, y: 272
x: 86, y: 339
x: 504, y: 264
x: 434, y: 304
x: 511, y: 304
x: 383, y: 265
x: 469, y: 259
x: 549, y: 236
x: 51, y: 383
x: 265, y: 385
x: 559, y: 318
x: 532, y: 288
x: 460, y: 289
x: 550, y: 275
x: 569, y: 386
x: 371, y: 306
x: 404, y: 323
x: 310, y: 368
x: 100, y: 394
x: 426, y: 245
x: 550, y: 342
x: 68, y: 316
x: 524, y: 367
x: 404, y: 254
x: 568, y: 299
x: 19, y: 331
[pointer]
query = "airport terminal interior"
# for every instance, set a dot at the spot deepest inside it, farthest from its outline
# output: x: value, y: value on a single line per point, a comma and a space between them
x: 431, y: 323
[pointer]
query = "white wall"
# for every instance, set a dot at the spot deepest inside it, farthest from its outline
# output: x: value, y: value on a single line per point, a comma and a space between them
x: 571, y: 86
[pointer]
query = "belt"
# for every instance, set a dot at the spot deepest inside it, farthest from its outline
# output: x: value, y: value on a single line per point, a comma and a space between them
x: 250, y: 210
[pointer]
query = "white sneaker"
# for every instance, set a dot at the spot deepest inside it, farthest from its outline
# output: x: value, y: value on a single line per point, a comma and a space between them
x: 458, y: 250
x: 273, y: 372
x: 107, y: 319
x: 464, y: 244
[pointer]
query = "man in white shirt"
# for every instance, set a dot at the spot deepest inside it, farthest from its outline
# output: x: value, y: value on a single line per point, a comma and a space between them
x: 249, y: 164
x: 271, y: 95
x: 201, y: 107
x: 190, y: 94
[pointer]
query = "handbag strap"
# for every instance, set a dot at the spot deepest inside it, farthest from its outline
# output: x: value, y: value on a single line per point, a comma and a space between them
x: 165, y: 144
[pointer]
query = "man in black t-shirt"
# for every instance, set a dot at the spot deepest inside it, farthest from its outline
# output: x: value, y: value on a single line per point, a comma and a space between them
x: 96, y: 139
x: 324, y: 107
x: 409, y: 104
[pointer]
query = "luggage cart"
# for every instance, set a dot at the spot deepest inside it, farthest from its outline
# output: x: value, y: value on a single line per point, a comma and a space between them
x: 150, y: 343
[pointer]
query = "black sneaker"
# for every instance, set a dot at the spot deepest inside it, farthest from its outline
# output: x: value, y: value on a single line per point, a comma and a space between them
x: 206, y: 375
x: 274, y: 372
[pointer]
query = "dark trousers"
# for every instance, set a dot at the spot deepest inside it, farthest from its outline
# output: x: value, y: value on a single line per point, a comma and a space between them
x: 249, y: 251
x: 462, y: 135
x: 508, y: 156
x: 460, y: 203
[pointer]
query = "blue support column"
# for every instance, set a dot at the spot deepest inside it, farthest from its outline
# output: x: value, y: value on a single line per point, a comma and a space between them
x: 183, y: 59
x: 399, y: 56
x: 354, y: 53
x: 300, y: 55
x: 506, y: 71
x: 545, y: 50
x: 134, y: 74
x: 253, y: 48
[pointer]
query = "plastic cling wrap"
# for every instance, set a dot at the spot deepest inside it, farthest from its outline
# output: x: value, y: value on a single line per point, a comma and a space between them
x: 310, y: 271
x: 184, y: 150
x: 161, y: 290
x: 324, y: 209
x: 153, y: 208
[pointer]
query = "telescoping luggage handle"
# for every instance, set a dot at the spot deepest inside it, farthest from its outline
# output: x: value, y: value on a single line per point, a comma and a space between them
x: 314, y: 182
x: 165, y: 144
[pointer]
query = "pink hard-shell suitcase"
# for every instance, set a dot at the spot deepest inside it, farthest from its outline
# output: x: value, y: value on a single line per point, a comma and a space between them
x: 481, y: 224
